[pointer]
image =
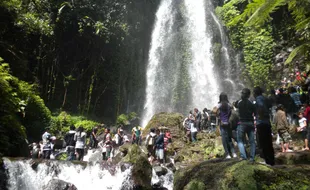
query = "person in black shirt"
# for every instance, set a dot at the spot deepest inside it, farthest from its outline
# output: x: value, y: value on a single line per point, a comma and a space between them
x: 246, y: 111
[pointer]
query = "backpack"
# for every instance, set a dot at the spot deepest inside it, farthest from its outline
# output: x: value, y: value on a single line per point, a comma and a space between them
x: 151, y: 140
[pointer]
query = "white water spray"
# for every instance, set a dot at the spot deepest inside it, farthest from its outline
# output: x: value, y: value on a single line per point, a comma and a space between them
x: 23, y: 177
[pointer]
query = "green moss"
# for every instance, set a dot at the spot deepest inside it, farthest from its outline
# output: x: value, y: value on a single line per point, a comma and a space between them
x: 241, y: 175
x: 195, y: 185
x: 142, y: 170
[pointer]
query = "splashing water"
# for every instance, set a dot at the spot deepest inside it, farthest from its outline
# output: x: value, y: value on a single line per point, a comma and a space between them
x: 92, y: 176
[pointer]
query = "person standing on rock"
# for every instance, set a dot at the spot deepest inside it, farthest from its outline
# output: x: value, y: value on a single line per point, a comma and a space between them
x: 224, y: 113
x: 193, y: 129
x: 47, y: 144
x: 307, y: 116
x: 197, y: 115
x: 282, y: 125
x: 136, y: 135
x: 150, y: 143
x: 93, y: 138
x: 80, y: 139
x: 303, y: 129
x: 263, y: 126
x: 106, y: 145
x: 246, y: 111
x: 159, y: 145
x: 70, y: 143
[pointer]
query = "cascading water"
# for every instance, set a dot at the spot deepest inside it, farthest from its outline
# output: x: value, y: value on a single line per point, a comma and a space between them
x: 181, y: 71
x: 92, y: 176
x: 204, y: 86
x: 157, y: 86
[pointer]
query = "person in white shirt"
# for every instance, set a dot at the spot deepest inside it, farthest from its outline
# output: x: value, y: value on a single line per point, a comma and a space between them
x: 80, y: 139
x: 303, y: 129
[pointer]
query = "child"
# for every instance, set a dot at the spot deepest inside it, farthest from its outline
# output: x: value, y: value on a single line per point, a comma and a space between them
x: 303, y: 129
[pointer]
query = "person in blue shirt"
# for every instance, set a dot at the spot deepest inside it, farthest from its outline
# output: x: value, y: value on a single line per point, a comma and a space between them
x: 263, y: 126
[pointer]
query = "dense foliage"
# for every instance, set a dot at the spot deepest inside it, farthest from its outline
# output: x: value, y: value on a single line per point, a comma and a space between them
x: 22, y: 111
x: 89, y: 52
x: 256, y: 27
x: 60, y: 124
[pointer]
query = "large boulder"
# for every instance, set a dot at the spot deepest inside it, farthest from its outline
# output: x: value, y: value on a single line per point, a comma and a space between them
x: 208, y: 145
x: 141, y: 168
x: 233, y: 174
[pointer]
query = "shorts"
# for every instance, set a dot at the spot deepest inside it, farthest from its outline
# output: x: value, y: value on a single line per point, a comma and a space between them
x: 304, y: 134
x: 160, y: 154
x: 285, y: 137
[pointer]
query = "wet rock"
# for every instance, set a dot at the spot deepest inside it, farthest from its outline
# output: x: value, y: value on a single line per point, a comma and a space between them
x: 232, y: 174
x: 289, y: 158
x: 160, y: 170
x: 141, y: 168
x: 59, y: 185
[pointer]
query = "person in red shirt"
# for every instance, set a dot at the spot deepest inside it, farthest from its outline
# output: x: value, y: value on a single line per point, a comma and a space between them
x: 307, y: 116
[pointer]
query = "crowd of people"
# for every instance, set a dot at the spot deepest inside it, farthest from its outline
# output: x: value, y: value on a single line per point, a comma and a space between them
x: 75, y: 143
x: 250, y: 121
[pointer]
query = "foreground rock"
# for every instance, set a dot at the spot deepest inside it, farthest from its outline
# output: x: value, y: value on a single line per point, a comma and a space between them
x: 219, y: 174
x: 141, y: 168
x: 290, y: 158
x: 59, y: 185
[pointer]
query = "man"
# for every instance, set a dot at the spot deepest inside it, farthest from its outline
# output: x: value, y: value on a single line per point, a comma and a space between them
x: 159, y: 144
x: 263, y: 126
x: 93, y: 138
x: 70, y: 143
x: 197, y: 119
x: 246, y: 111
x: 150, y: 142
x: 282, y: 128
x: 136, y: 135
x: 47, y: 145
x: 206, y: 118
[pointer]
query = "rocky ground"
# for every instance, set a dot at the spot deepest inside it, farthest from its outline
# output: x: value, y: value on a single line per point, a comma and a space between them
x: 201, y: 165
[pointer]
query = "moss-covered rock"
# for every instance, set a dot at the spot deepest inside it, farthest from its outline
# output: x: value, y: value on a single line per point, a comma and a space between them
x: 220, y: 174
x: 293, y: 158
x: 142, y: 170
x: 195, y: 185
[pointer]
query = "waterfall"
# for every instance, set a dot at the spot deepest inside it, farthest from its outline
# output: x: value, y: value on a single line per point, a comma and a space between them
x: 91, y: 176
x: 204, y: 86
x: 181, y: 72
x: 157, y: 87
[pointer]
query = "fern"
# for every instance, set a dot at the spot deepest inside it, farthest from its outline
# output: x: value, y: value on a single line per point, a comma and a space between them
x: 300, y: 50
x: 258, y: 12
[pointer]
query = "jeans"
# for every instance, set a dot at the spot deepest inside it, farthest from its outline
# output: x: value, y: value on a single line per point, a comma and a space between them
x: 193, y: 135
x: 265, y: 140
x: 242, y: 129
x: 70, y: 153
x: 226, y: 134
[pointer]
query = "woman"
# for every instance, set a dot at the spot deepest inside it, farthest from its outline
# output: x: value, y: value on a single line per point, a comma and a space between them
x: 224, y: 109
x: 80, y: 139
